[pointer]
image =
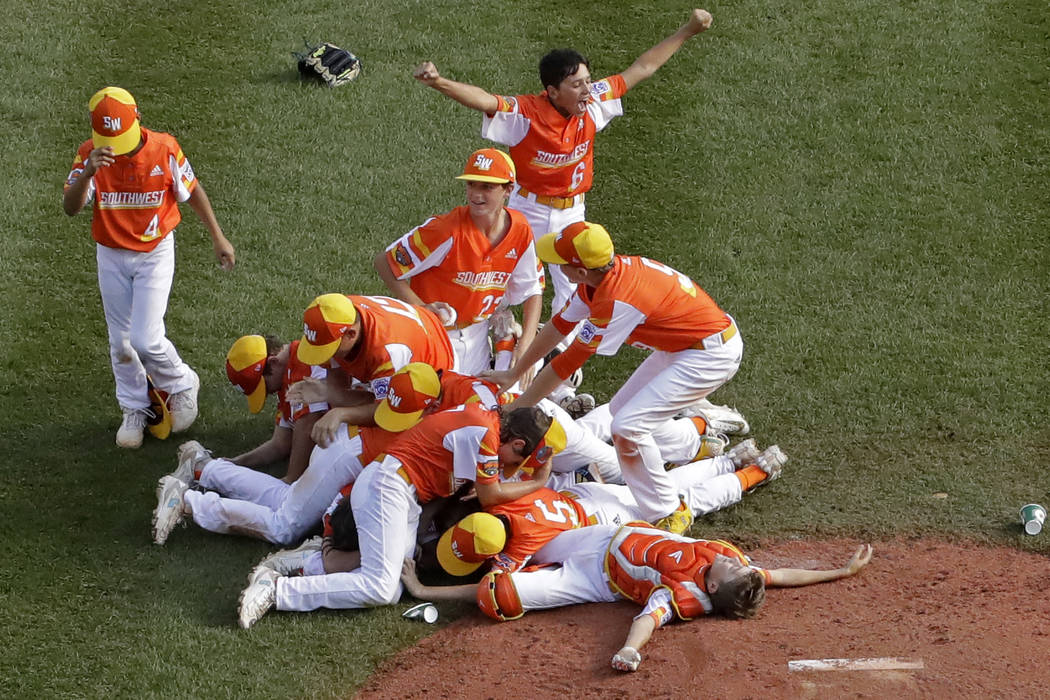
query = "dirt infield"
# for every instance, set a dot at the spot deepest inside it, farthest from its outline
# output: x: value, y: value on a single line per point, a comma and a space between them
x: 977, y: 618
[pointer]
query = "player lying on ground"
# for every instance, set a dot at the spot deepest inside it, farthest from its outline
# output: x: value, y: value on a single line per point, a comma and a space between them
x: 258, y: 366
x: 696, y: 348
x: 671, y: 576
x: 466, y: 264
x: 509, y: 535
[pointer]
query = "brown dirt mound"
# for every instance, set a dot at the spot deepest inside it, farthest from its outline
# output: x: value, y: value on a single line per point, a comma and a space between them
x: 978, y: 618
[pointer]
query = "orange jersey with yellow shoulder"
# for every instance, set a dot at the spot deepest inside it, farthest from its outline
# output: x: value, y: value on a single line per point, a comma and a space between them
x: 394, y: 334
x: 449, y: 448
x: 136, y: 197
x: 641, y: 302
x: 534, y: 521
x: 641, y: 559
x: 448, y: 259
x: 457, y: 389
x: 554, y: 154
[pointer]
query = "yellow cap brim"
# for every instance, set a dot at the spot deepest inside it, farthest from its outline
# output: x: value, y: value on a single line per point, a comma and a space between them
x: 484, y: 178
x: 545, y: 250
x: 316, y: 354
x: 125, y: 143
x: 257, y: 398
x: 449, y: 561
x: 393, y: 422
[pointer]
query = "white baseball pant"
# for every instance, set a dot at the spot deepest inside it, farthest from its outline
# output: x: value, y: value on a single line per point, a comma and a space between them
x: 134, y: 288
x: 580, y: 578
x: 259, y: 505
x: 387, y: 514
x: 543, y: 220
x: 643, y: 409
x: 472, y: 348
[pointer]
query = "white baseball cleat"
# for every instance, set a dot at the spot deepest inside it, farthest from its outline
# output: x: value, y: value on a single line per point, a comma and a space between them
x: 627, y: 659
x: 744, y: 453
x: 169, y: 511
x: 191, y: 453
x: 132, y: 427
x: 183, y: 405
x: 772, y: 462
x: 260, y: 595
x: 290, y: 562
x: 720, y: 419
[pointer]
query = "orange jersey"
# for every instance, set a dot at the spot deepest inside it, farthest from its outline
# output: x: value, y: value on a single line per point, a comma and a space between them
x: 288, y: 413
x: 553, y: 154
x: 448, y: 259
x: 458, y: 389
x: 136, y: 197
x: 642, y: 559
x: 449, y: 448
x: 394, y: 334
x: 641, y: 302
x: 534, y: 521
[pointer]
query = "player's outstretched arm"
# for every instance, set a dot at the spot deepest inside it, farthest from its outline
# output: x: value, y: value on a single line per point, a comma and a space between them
x: 467, y: 591
x: 467, y: 95
x: 650, y: 61
x: 201, y: 206
x: 628, y: 658
x: 805, y: 577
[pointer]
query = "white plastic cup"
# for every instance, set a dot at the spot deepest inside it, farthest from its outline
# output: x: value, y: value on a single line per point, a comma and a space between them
x: 424, y: 611
x: 1033, y: 516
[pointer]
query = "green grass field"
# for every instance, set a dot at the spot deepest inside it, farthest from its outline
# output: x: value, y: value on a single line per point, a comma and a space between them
x: 863, y: 185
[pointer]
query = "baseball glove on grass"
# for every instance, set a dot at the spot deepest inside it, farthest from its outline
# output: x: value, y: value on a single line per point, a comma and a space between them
x: 328, y: 63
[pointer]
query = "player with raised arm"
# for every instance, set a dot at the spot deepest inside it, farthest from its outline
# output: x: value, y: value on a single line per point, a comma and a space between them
x: 551, y: 134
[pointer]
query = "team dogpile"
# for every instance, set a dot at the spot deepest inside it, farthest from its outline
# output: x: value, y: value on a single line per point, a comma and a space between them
x: 439, y: 432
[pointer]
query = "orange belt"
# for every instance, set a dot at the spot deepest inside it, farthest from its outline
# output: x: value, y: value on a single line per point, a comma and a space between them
x: 716, y: 338
x: 404, y: 475
x: 552, y: 202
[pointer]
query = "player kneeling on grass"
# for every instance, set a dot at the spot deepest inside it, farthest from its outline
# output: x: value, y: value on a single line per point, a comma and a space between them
x: 670, y: 575
x: 445, y: 451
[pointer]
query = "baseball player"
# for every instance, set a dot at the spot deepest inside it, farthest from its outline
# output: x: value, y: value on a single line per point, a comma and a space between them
x: 671, y: 576
x: 510, y: 534
x: 258, y: 366
x: 551, y: 134
x: 362, y: 341
x: 470, y: 262
x: 696, y: 348
x: 136, y: 177
x: 445, y: 451
x: 249, y: 502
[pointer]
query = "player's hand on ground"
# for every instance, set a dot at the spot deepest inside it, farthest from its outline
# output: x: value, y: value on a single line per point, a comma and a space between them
x: 307, y: 391
x: 426, y: 73
x: 98, y: 158
x: 224, y: 252
x: 326, y: 428
x: 409, y: 578
x: 859, y: 560
x: 627, y: 659
x: 502, y: 378
x: 699, y: 21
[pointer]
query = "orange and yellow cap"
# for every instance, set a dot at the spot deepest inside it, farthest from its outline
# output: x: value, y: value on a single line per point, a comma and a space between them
x: 582, y: 244
x: 325, y: 321
x: 245, y: 363
x: 115, y: 120
x: 466, y: 545
x: 553, y: 442
x: 489, y: 165
x: 412, y: 389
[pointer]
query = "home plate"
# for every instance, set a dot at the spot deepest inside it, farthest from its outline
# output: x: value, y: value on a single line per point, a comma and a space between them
x: 886, y: 663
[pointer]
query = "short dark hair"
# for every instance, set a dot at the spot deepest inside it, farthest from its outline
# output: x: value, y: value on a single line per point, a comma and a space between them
x: 740, y: 597
x: 559, y: 64
x: 344, y: 527
x: 528, y: 423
